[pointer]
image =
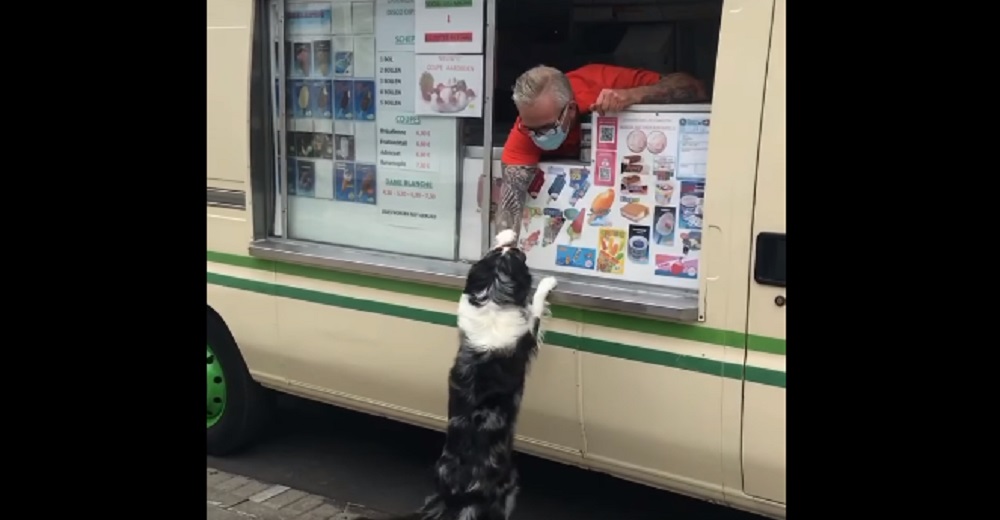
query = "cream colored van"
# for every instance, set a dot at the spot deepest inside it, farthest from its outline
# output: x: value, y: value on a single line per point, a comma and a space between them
x: 350, y: 143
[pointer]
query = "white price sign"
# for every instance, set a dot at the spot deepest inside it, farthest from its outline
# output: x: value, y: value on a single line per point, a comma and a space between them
x: 449, y: 26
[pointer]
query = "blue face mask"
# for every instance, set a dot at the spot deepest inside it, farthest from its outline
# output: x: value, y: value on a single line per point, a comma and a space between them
x: 555, y: 139
x: 550, y: 142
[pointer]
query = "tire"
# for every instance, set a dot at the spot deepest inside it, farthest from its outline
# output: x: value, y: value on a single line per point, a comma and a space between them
x: 237, y: 405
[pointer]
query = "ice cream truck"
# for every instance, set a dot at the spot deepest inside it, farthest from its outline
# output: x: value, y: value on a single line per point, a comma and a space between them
x: 353, y: 150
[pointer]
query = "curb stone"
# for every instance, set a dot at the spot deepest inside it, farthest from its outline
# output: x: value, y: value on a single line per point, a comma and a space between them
x: 236, y: 496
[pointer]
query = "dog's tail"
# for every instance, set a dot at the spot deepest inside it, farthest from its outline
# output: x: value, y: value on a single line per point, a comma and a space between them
x: 540, y: 304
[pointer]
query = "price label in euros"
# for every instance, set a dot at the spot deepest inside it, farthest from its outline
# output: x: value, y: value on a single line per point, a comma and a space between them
x: 423, y: 154
x: 423, y: 144
x: 424, y: 133
x: 424, y: 165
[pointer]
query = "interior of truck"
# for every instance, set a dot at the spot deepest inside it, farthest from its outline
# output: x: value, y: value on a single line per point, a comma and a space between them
x: 660, y: 35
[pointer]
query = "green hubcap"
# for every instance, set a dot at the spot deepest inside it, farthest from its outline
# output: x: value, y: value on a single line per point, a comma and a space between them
x: 216, y: 389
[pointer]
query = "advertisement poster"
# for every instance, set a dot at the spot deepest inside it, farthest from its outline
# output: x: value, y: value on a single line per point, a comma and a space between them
x: 449, y: 26
x: 692, y: 148
x: 449, y: 85
x: 394, y: 26
x: 635, y: 221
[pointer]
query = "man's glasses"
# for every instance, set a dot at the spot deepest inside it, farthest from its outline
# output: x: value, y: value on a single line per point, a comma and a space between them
x: 544, y: 130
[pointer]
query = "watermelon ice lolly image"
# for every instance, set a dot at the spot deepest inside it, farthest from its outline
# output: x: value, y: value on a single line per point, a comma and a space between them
x: 575, y: 216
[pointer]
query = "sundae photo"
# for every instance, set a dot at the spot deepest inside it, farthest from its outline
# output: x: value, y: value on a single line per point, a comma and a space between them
x: 446, y: 98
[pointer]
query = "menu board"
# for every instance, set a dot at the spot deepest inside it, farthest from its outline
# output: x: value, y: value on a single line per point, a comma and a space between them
x: 635, y: 213
x: 363, y: 169
x: 450, y: 26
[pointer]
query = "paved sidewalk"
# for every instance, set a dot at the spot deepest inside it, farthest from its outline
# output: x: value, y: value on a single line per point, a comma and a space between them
x: 233, y: 497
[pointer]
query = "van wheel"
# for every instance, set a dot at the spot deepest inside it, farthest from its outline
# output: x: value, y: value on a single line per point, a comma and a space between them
x: 236, y: 404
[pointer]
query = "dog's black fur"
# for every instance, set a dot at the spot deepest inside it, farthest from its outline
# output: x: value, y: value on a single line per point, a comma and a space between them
x: 475, y: 478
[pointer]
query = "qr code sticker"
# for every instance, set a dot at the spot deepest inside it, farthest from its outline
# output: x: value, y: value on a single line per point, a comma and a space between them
x: 604, y: 174
x: 606, y: 134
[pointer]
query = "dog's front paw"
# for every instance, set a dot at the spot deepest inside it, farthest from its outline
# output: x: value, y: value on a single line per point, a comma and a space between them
x: 546, y: 285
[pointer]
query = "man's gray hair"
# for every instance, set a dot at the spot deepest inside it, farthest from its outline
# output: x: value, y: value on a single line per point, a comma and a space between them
x: 536, y: 80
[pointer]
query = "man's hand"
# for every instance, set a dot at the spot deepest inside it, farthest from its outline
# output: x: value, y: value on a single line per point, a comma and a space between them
x: 614, y: 100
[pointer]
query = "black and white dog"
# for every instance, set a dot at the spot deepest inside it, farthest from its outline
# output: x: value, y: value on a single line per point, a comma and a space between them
x: 498, y: 326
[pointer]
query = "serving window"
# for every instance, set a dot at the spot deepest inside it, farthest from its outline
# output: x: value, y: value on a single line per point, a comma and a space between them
x: 389, y: 116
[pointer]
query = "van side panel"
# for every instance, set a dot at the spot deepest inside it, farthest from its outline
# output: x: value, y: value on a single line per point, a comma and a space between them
x: 764, y: 406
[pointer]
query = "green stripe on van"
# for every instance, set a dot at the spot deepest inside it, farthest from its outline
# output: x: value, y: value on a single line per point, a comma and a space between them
x: 594, y: 346
x: 605, y: 319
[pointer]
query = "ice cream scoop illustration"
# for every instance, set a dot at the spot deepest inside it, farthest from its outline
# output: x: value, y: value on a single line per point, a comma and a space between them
x: 575, y: 216
x: 557, y: 186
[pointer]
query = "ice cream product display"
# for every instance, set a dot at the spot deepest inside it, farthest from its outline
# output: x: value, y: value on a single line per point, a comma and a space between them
x: 556, y: 187
x: 631, y: 213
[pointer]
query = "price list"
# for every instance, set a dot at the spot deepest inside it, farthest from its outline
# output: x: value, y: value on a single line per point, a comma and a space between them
x: 396, y: 81
x: 410, y: 189
x: 408, y: 142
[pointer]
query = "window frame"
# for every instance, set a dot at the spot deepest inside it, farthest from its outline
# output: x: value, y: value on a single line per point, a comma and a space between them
x: 574, y: 290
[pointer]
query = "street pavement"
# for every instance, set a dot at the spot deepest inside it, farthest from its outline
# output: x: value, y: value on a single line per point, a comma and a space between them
x: 235, y: 497
x: 345, y: 460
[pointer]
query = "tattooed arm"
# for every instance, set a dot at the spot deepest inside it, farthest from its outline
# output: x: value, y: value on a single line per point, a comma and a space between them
x: 679, y: 87
x: 513, y: 190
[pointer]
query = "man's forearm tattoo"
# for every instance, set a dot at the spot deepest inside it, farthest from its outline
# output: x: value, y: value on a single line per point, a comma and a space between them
x: 675, y: 88
x: 513, y: 189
